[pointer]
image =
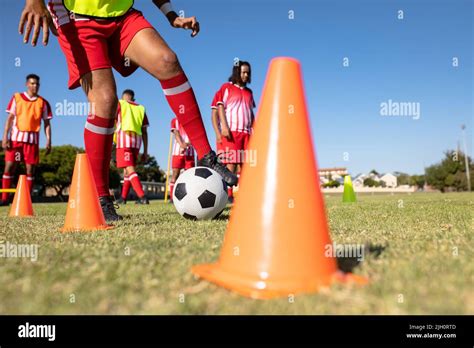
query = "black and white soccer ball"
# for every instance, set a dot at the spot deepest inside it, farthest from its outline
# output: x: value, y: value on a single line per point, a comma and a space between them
x: 200, y: 193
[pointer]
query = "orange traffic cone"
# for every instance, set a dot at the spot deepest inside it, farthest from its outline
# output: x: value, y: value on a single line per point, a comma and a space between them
x: 22, y: 206
x: 83, y: 208
x: 277, y: 234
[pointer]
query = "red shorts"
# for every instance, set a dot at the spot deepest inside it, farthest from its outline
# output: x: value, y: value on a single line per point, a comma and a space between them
x: 232, y: 151
x: 182, y: 162
x: 126, y: 157
x: 98, y: 44
x: 23, y: 152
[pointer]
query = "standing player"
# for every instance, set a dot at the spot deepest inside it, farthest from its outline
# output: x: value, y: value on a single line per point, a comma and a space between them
x: 183, y: 153
x: 21, y: 133
x: 96, y: 35
x: 235, y: 105
x: 131, y: 129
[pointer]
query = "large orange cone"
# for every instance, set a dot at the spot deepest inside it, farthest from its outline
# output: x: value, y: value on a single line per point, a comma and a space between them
x: 277, y: 234
x: 22, y: 206
x: 83, y: 208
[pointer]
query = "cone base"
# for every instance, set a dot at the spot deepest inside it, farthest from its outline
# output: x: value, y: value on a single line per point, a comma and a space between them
x: 258, y: 289
x: 22, y: 216
x: 85, y: 229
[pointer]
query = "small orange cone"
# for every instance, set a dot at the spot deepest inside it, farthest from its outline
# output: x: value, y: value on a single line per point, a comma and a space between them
x: 277, y: 234
x: 83, y: 208
x: 21, y: 206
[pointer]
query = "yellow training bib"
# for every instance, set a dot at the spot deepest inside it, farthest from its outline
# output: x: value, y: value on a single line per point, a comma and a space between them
x: 132, y: 117
x: 99, y: 8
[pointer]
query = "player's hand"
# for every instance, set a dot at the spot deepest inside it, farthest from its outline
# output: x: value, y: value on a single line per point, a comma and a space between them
x: 187, y: 23
x: 35, y: 16
x: 48, y: 149
x: 144, y: 157
x: 225, y: 132
x: 6, y: 144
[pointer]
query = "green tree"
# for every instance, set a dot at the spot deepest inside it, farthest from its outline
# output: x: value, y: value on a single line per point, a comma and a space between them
x: 371, y: 182
x: 403, y: 179
x: 332, y: 183
x: 150, y: 170
x: 418, y: 181
x: 450, y: 173
x: 55, y: 170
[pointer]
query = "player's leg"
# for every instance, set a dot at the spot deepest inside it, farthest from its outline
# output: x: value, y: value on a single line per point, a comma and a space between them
x: 125, y: 187
x: 31, y: 158
x: 8, y: 173
x: 149, y: 51
x: 137, y: 185
x: 174, y: 177
x: 99, y: 86
x: 177, y: 163
x: 30, y: 175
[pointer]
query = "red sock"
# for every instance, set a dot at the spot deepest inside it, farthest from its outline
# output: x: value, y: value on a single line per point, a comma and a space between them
x: 230, y: 192
x: 181, y: 98
x: 125, y: 187
x: 136, y: 184
x: 171, y: 190
x: 6, y: 182
x: 30, y: 179
x: 98, y: 135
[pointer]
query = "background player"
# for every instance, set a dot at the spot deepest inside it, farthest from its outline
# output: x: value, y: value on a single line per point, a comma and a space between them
x: 235, y: 103
x: 131, y: 131
x: 183, y: 153
x: 96, y: 35
x: 21, y: 133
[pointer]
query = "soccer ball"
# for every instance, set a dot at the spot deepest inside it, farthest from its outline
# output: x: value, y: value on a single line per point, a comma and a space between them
x: 200, y: 194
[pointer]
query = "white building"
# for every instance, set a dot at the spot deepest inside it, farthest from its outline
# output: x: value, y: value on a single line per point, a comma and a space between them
x: 389, y: 179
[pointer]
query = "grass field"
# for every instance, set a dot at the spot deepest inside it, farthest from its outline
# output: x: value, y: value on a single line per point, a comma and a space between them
x: 421, y: 262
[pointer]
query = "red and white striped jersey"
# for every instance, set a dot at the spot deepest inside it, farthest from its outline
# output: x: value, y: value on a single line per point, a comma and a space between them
x: 25, y: 136
x: 128, y: 139
x: 177, y: 151
x: 238, y: 104
x: 61, y: 16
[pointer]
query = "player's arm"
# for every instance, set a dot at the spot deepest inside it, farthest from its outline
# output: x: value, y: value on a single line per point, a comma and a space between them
x: 35, y: 16
x: 47, y: 132
x: 225, y: 131
x: 145, y: 143
x: 175, y: 20
x: 6, y: 143
x: 215, y: 124
x: 179, y: 139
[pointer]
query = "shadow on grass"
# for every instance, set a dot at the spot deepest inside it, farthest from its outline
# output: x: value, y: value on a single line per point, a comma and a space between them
x: 223, y: 215
x: 348, y: 263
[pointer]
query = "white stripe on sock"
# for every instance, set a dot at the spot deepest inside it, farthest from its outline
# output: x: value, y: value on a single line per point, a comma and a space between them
x: 99, y: 130
x: 178, y: 89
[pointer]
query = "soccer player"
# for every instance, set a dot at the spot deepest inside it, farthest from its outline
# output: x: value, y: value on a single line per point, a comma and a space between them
x: 183, y: 153
x: 21, y: 134
x: 131, y: 131
x: 233, y: 126
x: 98, y: 35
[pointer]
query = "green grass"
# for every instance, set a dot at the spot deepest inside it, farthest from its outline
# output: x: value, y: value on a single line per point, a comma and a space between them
x: 425, y: 258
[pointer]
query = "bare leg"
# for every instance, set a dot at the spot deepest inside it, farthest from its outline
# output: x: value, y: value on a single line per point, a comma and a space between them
x: 100, y: 89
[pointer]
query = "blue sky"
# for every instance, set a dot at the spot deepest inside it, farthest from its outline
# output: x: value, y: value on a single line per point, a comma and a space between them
x: 403, y: 60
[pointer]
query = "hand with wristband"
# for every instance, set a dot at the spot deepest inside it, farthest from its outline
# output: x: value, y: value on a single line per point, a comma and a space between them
x: 175, y: 20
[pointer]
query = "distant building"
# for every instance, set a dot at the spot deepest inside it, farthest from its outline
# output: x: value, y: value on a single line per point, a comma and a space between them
x: 389, y: 179
x: 333, y: 173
